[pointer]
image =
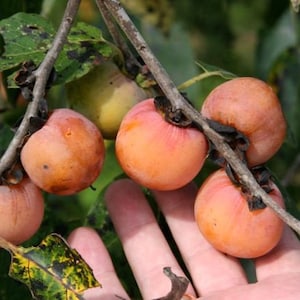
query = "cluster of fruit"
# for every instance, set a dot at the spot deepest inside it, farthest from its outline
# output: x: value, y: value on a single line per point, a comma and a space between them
x: 66, y: 155
x: 221, y: 207
x: 161, y: 156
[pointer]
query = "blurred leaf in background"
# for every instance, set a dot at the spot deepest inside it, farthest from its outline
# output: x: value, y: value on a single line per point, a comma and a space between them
x: 10, y: 7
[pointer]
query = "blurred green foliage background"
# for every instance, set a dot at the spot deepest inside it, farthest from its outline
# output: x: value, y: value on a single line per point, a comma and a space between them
x: 256, y: 38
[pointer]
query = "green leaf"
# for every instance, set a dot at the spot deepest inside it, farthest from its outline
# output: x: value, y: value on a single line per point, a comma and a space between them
x: 85, y: 48
x: 26, y: 37
x: 10, y: 289
x: 29, y: 37
x: 84, y: 32
x: 276, y: 41
x: 52, y: 270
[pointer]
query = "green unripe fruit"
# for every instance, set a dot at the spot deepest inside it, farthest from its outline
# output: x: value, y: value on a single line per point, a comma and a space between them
x: 104, y: 96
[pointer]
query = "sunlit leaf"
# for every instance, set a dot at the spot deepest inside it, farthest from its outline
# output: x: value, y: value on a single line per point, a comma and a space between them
x: 52, y: 270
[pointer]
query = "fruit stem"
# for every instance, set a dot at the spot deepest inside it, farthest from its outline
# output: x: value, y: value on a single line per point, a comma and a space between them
x: 179, y: 103
x: 8, y: 246
x: 197, y: 78
x: 40, y: 77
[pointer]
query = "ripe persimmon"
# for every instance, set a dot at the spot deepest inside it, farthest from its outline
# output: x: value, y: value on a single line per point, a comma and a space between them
x: 155, y: 153
x: 222, y: 214
x: 251, y: 106
x: 21, y: 211
x: 66, y: 155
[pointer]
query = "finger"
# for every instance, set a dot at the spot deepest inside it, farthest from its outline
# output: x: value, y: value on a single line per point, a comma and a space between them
x: 285, y: 258
x: 145, y: 247
x: 210, y: 269
x: 89, y: 245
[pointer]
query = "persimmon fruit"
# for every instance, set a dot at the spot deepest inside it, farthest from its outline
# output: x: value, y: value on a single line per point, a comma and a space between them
x: 222, y: 214
x: 21, y: 211
x: 155, y: 153
x: 66, y: 155
x: 251, y: 106
x: 105, y: 95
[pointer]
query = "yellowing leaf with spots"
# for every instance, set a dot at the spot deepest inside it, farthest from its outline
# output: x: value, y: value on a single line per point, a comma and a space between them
x: 52, y: 270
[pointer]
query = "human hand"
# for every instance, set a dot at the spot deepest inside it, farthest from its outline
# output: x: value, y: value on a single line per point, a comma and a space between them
x: 215, y: 276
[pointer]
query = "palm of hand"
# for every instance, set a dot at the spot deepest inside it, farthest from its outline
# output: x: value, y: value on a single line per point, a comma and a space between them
x: 215, y: 276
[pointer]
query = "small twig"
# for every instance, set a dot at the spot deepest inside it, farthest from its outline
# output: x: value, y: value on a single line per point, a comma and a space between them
x: 179, y: 103
x: 40, y: 76
x: 197, y: 78
x: 115, y: 34
x: 111, y: 26
x: 179, y: 285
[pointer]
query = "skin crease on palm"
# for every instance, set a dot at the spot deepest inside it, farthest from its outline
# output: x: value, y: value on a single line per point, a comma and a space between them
x: 215, y: 276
